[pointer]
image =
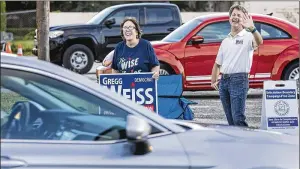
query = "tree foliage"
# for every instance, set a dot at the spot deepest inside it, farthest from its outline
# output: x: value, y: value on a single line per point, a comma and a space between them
x: 3, y: 16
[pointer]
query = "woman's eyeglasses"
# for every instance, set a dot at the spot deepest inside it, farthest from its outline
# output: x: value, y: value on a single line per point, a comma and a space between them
x: 128, y: 27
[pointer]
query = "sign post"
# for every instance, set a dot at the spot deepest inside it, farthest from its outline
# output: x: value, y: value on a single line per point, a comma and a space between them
x: 138, y: 87
x: 280, y: 107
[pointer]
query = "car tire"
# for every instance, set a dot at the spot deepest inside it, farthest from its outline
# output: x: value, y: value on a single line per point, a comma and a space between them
x: 78, y: 58
x: 165, y: 70
x: 292, y: 72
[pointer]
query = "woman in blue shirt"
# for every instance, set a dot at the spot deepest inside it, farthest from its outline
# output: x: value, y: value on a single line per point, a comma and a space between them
x: 134, y: 54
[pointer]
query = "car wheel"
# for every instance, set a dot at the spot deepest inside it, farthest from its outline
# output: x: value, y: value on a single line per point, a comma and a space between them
x: 292, y: 72
x: 78, y: 58
x: 165, y: 70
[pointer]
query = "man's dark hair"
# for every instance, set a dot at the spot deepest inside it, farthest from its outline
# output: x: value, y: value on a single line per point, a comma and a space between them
x: 238, y: 7
x: 136, y: 25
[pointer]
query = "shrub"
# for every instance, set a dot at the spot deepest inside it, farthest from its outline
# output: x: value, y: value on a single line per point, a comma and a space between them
x: 19, y: 33
x: 29, y: 36
x: 27, y: 46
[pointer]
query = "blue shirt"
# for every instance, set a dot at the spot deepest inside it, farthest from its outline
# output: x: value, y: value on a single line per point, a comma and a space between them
x: 140, y: 58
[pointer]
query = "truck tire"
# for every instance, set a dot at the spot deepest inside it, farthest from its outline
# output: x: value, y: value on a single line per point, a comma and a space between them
x: 292, y: 72
x: 165, y: 70
x: 78, y: 58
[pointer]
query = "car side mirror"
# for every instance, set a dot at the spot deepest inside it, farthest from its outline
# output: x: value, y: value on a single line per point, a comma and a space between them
x: 197, y: 39
x: 137, y: 131
x: 110, y: 22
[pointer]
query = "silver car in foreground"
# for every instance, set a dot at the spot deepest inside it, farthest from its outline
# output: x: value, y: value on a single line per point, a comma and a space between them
x: 54, y: 118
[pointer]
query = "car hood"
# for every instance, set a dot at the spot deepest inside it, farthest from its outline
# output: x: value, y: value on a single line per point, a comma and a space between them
x: 72, y: 26
x: 239, y: 133
x: 161, y: 45
x: 223, y: 145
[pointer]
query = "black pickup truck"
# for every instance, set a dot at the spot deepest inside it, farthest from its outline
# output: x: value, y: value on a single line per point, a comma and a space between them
x: 76, y: 47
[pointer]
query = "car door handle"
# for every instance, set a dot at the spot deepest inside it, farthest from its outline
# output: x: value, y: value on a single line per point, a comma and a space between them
x: 171, y: 29
x: 7, y: 162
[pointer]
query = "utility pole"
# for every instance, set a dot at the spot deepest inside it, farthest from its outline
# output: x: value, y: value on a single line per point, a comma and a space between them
x: 42, y: 18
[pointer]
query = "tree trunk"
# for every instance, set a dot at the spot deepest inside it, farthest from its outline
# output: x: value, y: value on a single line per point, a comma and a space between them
x: 42, y: 15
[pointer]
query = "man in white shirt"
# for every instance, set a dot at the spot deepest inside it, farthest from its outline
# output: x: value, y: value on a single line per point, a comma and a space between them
x: 234, y: 61
x: 105, y: 68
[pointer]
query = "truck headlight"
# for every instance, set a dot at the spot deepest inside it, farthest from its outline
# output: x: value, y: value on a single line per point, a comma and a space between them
x: 54, y: 34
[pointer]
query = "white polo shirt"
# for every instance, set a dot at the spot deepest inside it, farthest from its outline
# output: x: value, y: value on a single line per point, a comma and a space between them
x: 236, y: 53
x: 108, y: 57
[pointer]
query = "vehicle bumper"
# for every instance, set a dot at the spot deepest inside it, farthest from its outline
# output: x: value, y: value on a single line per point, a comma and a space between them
x: 56, y: 50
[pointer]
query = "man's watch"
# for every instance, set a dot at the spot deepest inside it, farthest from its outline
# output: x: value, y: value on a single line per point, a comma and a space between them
x: 251, y: 29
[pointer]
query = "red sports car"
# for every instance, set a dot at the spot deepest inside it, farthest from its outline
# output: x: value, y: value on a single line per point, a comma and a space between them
x: 192, y: 48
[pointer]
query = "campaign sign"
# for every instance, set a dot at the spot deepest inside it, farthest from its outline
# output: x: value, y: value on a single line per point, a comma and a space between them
x: 139, y: 87
x: 280, y: 107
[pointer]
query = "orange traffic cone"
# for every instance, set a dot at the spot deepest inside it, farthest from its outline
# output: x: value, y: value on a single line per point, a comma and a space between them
x: 20, y: 51
x: 8, y: 48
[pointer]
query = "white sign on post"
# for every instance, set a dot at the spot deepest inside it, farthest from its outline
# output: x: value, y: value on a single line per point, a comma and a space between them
x: 280, y: 107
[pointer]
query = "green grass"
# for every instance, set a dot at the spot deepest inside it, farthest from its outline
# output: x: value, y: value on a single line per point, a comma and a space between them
x: 9, y: 99
x: 27, y: 46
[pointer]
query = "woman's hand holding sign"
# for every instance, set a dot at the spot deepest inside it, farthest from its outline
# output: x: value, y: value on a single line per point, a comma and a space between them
x: 155, y: 75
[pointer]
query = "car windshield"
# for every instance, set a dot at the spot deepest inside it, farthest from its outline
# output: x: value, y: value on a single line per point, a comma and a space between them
x: 181, y: 32
x: 100, y: 16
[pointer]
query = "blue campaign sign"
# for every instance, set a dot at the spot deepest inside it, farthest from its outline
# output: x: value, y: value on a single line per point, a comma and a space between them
x: 139, y: 87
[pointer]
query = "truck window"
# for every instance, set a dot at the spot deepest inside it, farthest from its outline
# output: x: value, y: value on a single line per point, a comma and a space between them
x: 99, y: 17
x: 158, y: 15
x: 181, y: 32
x: 120, y: 15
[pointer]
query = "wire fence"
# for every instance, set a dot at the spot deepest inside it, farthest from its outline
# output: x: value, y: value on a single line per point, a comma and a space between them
x: 21, y: 24
x: 20, y: 30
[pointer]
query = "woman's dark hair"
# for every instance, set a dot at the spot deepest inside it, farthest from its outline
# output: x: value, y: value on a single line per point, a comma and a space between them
x: 136, y: 25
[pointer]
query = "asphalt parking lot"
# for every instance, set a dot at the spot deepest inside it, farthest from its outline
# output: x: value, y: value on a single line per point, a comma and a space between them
x: 209, y: 108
